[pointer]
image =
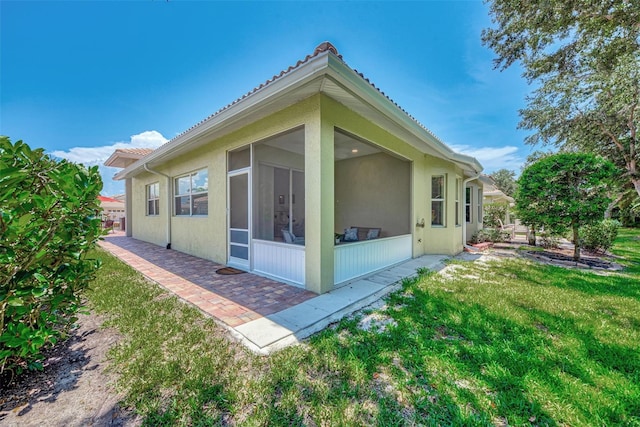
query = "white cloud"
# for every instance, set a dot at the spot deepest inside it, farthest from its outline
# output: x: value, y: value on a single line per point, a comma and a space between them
x: 493, y: 158
x: 90, y: 156
x: 97, y: 155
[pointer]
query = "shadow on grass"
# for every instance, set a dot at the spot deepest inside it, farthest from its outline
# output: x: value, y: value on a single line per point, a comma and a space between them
x: 455, y: 363
x: 626, y: 247
x: 443, y: 361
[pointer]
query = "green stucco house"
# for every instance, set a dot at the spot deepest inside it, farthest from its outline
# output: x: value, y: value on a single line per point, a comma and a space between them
x: 314, y: 178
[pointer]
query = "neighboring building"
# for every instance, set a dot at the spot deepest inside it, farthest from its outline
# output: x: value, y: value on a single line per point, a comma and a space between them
x: 121, y: 197
x: 492, y: 194
x: 267, y: 182
x: 123, y: 157
x: 112, y: 209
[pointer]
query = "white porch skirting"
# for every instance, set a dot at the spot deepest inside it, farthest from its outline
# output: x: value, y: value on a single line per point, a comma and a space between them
x: 356, y: 259
x: 279, y: 260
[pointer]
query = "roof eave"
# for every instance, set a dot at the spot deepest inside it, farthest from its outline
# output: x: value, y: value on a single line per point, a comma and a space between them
x: 324, y: 64
x: 235, y: 112
x: 377, y: 100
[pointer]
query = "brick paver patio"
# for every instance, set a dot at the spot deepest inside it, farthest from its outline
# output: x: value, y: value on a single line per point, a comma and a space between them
x: 232, y: 299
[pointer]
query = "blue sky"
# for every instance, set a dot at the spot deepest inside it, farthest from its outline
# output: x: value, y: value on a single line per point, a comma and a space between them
x: 82, y: 78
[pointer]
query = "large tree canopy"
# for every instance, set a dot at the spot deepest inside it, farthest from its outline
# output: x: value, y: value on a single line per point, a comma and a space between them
x: 564, y: 192
x: 584, y: 58
x: 505, y: 181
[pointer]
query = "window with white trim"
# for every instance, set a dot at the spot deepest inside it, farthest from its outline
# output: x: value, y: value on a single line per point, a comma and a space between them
x: 153, y: 199
x: 438, y: 191
x: 458, y: 186
x: 191, y: 196
x: 467, y: 204
x: 479, y: 205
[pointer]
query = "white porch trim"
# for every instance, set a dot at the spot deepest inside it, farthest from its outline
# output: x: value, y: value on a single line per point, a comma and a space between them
x: 280, y: 261
x: 356, y: 259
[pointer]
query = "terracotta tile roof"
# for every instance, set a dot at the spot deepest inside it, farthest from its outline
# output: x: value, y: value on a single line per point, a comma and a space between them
x: 321, y: 48
x: 108, y: 199
x: 137, y: 151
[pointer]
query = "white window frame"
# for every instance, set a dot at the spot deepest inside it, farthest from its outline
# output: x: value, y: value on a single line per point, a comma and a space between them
x: 441, y: 200
x: 189, y: 192
x: 458, y: 210
x: 155, y: 198
x: 468, y: 199
x: 480, y: 205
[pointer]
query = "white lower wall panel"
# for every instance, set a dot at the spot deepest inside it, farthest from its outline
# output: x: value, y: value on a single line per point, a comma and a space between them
x: 279, y: 260
x: 356, y: 259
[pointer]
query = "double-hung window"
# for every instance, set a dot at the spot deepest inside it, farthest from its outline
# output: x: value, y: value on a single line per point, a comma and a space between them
x: 458, y: 186
x: 191, y: 194
x: 153, y: 199
x: 438, y: 190
x: 467, y: 204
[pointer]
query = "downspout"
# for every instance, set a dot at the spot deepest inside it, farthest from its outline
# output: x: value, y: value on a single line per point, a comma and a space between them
x: 168, y: 201
x: 464, y: 190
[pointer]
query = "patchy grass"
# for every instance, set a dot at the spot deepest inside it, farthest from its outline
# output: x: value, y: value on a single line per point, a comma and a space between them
x: 494, y: 343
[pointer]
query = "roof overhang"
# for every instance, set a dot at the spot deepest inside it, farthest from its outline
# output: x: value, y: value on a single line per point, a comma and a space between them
x: 122, y: 159
x: 324, y: 73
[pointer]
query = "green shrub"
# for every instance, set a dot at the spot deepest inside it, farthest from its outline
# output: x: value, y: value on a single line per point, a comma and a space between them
x: 549, y: 240
x: 599, y: 237
x: 490, y: 235
x: 494, y: 213
x: 48, y: 221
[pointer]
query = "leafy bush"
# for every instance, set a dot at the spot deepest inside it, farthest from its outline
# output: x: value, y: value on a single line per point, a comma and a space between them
x: 494, y: 213
x: 599, y: 237
x: 48, y: 221
x: 549, y: 240
x: 490, y: 235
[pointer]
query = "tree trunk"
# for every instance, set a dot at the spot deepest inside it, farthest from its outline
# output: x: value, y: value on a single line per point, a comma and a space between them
x: 614, y: 202
x: 636, y: 184
x: 576, y: 243
x: 532, y: 236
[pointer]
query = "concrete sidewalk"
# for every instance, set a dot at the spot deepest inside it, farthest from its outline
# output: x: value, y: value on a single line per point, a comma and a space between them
x: 288, y: 326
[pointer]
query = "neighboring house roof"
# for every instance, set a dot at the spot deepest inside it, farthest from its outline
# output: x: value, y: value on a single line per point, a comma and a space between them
x: 123, y: 157
x: 108, y: 199
x: 492, y: 193
x: 324, y: 71
x: 109, y: 203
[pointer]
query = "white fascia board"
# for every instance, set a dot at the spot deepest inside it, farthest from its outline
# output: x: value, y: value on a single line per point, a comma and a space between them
x: 365, y: 91
x: 242, y: 108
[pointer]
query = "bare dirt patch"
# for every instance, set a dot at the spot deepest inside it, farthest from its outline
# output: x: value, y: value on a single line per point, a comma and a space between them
x: 562, y: 256
x: 73, y: 389
x: 586, y: 261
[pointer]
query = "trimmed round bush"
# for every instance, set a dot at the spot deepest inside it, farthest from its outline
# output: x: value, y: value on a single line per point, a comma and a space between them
x: 599, y: 237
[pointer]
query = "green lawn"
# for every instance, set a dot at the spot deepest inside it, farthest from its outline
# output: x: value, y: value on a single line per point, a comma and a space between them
x: 505, y: 342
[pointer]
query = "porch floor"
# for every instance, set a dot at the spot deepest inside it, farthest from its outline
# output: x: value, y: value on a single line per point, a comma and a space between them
x: 262, y: 313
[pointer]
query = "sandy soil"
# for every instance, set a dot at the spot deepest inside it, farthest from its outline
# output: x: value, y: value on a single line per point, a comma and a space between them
x: 73, y: 389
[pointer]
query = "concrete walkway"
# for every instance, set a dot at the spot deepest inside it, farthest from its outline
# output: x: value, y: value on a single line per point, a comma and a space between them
x: 263, y: 314
x: 287, y: 327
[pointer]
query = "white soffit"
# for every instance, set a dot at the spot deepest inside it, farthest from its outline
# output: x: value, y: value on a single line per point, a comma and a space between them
x: 349, y: 100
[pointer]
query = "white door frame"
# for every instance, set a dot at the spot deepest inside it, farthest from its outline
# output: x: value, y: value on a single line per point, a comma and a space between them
x: 231, y: 260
